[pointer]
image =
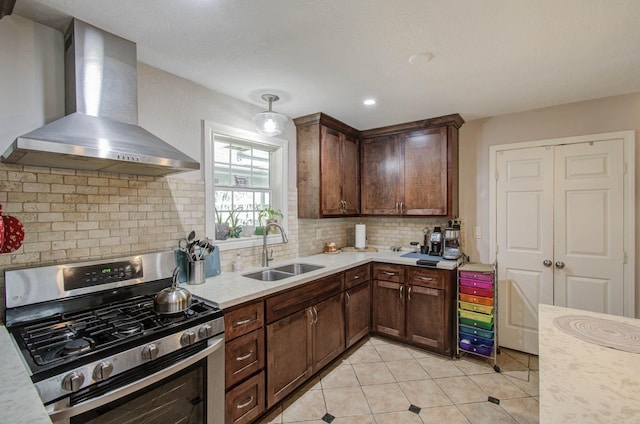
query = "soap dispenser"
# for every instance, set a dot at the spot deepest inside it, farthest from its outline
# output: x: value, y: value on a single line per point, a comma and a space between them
x: 237, y: 263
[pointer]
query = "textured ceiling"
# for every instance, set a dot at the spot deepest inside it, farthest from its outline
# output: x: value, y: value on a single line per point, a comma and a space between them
x: 490, y: 57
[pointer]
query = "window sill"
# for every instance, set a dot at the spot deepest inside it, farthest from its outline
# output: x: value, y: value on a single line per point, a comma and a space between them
x: 245, y: 242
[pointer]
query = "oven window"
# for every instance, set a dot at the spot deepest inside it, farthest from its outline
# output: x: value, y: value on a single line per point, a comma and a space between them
x: 179, y: 398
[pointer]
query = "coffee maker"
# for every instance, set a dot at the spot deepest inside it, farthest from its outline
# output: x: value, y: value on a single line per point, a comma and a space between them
x: 436, y: 242
x: 451, y: 243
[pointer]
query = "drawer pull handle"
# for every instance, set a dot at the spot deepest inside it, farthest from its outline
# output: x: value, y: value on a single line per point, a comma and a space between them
x: 243, y: 322
x: 409, y: 293
x: 401, y: 291
x: 244, y: 405
x: 356, y: 277
x: 243, y: 357
x: 426, y: 278
x: 388, y: 273
x: 348, y: 298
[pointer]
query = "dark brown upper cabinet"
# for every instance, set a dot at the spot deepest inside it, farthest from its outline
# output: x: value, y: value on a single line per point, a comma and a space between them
x: 411, y: 169
x: 328, y: 161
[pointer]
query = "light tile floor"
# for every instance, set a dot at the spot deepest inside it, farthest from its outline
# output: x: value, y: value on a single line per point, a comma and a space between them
x: 380, y: 382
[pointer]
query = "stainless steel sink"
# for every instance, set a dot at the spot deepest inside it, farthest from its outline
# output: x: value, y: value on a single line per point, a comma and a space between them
x: 268, y: 275
x: 282, y: 272
x: 298, y: 269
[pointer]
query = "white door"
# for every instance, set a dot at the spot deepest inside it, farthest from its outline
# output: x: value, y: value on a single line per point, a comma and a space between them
x: 524, y: 214
x: 589, y: 212
x: 559, y: 214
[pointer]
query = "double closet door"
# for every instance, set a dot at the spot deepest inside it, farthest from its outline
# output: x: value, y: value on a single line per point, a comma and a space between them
x: 560, y: 225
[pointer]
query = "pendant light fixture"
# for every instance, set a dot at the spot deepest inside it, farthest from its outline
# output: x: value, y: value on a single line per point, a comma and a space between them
x: 269, y: 123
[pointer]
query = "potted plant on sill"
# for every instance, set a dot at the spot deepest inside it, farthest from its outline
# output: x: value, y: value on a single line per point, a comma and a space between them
x: 266, y: 215
x: 235, y: 230
x: 222, y: 228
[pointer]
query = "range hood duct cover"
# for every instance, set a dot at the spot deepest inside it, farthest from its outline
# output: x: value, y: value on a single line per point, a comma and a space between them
x: 100, y: 131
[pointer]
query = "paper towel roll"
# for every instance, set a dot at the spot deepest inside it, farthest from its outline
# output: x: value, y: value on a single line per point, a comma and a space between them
x: 361, y: 236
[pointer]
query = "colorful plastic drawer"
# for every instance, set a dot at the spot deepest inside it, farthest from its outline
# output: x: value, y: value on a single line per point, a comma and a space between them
x: 475, y: 331
x: 476, y: 291
x: 482, y: 350
x: 478, y: 324
x: 476, y: 276
x: 481, y: 341
x: 476, y: 308
x: 476, y: 316
x: 487, y: 301
x: 487, y: 285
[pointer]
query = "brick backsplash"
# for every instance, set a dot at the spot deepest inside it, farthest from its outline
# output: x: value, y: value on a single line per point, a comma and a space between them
x: 72, y: 216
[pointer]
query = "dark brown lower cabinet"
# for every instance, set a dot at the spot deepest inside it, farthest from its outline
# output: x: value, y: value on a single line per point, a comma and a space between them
x: 289, y: 354
x: 357, y: 312
x: 245, y: 402
x: 388, y: 308
x: 328, y: 331
x: 426, y: 317
x: 414, y: 305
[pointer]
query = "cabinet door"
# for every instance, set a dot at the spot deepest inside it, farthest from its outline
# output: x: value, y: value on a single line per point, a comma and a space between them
x: 388, y: 308
x: 425, y: 172
x: 381, y: 179
x: 330, y: 175
x: 328, y: 331
x: 289, y: 360
x: 357, y: 306
x: 350, y: 166
x: 426, y: 317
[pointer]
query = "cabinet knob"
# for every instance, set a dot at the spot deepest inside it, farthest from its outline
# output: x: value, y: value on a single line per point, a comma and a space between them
x: 559, y: 264
x: 547, y: 263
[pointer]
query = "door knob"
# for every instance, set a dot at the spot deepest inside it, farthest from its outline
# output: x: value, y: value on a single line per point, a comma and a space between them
x: 547, y: 263
x: 559, y: 264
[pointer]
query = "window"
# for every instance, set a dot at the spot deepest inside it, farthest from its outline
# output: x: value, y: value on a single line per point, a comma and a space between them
x: 244, y: 172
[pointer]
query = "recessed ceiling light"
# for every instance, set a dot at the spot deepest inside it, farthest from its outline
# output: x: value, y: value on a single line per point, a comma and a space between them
x: 420, y: 58
x: 369, y: 102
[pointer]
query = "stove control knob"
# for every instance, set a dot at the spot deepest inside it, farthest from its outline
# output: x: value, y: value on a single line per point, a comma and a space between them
x: 73, y: 381
x: 188, y: 338
x: 150, y: 352
x: 205, y: 331
x: 102, y: 371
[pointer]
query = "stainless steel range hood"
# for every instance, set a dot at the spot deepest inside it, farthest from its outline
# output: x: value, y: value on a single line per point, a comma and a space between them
x: 100, y: 131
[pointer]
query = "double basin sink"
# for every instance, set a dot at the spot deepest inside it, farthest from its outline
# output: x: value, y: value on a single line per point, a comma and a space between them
x: 282, y: 272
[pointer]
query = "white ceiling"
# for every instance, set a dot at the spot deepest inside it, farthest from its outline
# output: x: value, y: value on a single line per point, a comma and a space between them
x: 490, y: 57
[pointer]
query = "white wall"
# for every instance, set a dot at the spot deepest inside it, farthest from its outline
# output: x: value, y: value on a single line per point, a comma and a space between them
x: 32, y: 87
x: 590, y: 117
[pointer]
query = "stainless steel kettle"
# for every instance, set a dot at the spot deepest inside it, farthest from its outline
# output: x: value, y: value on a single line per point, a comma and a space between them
x: 173, y: 299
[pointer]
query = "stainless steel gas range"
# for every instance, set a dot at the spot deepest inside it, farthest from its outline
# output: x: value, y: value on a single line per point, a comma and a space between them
x: 97, y: 350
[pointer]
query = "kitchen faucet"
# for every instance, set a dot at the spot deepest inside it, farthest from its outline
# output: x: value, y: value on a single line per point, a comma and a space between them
x: 265, y: 255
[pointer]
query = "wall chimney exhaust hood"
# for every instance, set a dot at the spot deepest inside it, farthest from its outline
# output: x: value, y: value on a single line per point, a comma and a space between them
x: 100, y: 131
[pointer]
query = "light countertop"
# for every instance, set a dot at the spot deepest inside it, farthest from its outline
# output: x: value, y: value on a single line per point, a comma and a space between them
x: 231, y: 288
x: 584, y: 382
x: 19, y: 401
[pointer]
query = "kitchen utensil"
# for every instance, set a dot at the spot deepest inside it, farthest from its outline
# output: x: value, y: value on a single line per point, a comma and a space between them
x: 13, y: 234
x: 173, y: 299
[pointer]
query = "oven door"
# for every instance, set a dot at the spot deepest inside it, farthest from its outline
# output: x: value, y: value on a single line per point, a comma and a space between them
x: 190, y: 390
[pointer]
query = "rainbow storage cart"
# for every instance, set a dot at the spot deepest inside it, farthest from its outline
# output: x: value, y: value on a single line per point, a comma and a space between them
x: 478, y: 312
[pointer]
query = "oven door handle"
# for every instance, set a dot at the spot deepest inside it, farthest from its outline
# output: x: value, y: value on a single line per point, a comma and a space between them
x: 66, y: 412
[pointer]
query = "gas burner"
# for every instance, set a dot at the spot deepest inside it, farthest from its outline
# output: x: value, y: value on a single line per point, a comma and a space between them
x: 76, y: 346
x: 129, y: 328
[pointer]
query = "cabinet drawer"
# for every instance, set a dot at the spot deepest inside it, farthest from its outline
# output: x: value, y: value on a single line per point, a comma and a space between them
x: 388, y: 272
x: 355, y: 276
x: 299, y: 298
x: 243, y: 356
x: 245, y: 402
x: 243, y: 319
x: 426, y: 278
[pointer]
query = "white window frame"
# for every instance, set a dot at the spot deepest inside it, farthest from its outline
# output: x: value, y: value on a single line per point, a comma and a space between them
x: 279, y: 181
